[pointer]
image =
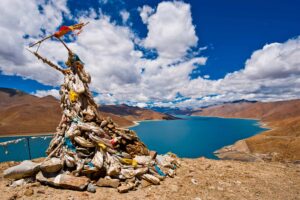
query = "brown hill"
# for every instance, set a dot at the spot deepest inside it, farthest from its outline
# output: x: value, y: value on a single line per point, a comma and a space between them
x: 135, y: 113
x: 282, y: 117
x: 22, y: 113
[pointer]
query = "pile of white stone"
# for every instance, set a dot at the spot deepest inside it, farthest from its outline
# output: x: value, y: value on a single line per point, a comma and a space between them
x: 88, y: 150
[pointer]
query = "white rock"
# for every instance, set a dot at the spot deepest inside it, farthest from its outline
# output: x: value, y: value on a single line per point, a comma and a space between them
x: 18, y: 183
x: 194, y: 181
x: 24, y: 169
x: 52, y: 165
x: 151, y: 178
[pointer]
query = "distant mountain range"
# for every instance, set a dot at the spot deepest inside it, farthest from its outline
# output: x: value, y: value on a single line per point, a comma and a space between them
x: 265, y: 111
x: 172, y: 111
x: 22, y: 113
x: 190, y: 111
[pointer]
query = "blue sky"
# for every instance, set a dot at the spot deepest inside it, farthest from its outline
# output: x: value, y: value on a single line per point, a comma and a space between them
x: 220, y: 51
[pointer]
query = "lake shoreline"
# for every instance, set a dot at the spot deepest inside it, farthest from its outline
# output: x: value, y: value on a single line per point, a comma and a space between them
x: 27, y: 134
x: 236, y: 151
x: 261, y: 123
x: 137, y: 123
x: 243, y: 130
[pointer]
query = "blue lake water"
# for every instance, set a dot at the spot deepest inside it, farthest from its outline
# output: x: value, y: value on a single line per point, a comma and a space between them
x: 193, y: 137
x: 20, y: 151
x: 189, y: 137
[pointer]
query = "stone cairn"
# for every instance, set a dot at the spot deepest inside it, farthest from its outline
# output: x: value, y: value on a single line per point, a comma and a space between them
x: 88, y: 150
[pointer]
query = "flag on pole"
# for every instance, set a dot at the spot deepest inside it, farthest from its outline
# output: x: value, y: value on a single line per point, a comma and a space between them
x: 66, y: 29
x: 62, y: 31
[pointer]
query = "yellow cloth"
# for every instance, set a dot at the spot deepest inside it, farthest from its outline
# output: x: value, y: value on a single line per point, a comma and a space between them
x: 73, y: 96
x: 102, y: 146
x: 134, y: 163
x: 128, y: 161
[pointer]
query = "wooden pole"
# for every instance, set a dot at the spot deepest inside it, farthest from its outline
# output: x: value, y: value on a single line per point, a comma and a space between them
x: 42, y: 40
x: 69, y: 50
x: 48, y: 62
x: 29, y: 150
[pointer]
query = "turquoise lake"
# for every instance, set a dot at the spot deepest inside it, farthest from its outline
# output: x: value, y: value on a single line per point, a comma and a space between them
x: 192, y: 137
x: 188, y: 137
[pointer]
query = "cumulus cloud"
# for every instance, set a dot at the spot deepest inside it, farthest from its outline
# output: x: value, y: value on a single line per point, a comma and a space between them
x: 274, y: 61
x: 108, y: 52
x: 145, y: 12
x: 125, y: 16
x: 271, y: 73
x: 116, y: 66
x: 170, y: 29
x: 103, y: 1
x: 23, y: 18
x: 123, y: 74
x: 43, y: 93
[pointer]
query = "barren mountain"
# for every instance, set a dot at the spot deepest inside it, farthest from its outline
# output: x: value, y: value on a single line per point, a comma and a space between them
x: 22, y: 113
x: 135, y: 113
x: 282, y: 117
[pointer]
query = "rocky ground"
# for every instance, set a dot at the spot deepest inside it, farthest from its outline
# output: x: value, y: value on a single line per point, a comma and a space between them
x: 197, y: 179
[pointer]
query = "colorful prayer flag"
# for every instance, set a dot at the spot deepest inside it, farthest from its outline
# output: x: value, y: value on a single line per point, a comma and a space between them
x: 66, y: 29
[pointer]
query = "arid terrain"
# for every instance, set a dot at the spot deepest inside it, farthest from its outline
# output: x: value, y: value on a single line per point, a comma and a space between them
x: 196, y: 179
x: 282, y: 117
x: 22, y: 113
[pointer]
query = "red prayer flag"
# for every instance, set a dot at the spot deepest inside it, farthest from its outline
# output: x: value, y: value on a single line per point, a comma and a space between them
x: 62, y: 31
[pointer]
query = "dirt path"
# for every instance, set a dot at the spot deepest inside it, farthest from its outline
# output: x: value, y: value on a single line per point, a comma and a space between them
x: 196, y: 179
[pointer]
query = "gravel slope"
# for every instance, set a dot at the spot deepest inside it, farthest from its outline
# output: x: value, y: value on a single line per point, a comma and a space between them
x: 197, y: 179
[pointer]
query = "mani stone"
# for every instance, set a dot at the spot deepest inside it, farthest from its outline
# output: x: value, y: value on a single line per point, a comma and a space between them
x: 29, y: 192
x: 145, y: 183
x: 153, y: 154
x: 45, y: 178
x: 91, y: 188
x: 152, y: 179
x: 63, y: 181
x: 125, y: 187
x: 52, y: 165
x: 103, y: 123
x: 102, y: 182
x: 110, y: 126
x: 24, y: 169
x: 71, y: 182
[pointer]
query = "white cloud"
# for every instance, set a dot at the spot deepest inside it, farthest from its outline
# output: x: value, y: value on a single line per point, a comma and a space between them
x: 20, y: 18
x: 106, y: 99
x: 103, y: 1
x: 271, y: 73
x: 145, y: 12
x: 120, y: 73
x: 43, y: 93
x: 170, y: 29
x: 275, y: 61
x: 125, y: 16
x: 109, y: 55
x: 141, y: 105
x: 163, y: 80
